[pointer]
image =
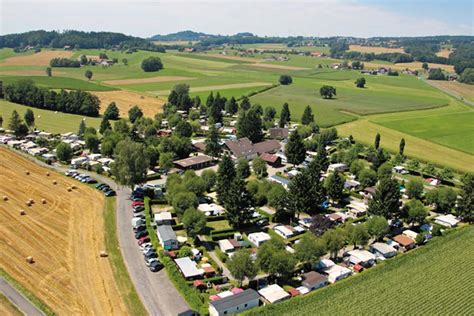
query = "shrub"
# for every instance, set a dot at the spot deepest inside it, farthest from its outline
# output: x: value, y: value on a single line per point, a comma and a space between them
x: 152, y: 64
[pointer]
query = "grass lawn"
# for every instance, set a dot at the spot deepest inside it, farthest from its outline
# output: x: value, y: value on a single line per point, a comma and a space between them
x: 59, y: 83
x: 49, y: 121
x: 122, y: 279
x: 218, y: 225
x: 436, y: 279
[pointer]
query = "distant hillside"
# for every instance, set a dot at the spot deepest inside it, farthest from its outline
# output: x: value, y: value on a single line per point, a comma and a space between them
x: 75, y: 39
x: 181, y: 36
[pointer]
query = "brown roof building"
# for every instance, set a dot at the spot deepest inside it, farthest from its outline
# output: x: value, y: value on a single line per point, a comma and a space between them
x: 404, y: 241
x: 242, y: 147
x: 270, y: 159
x: 196, y: 162
x: 278, y: 133
x: 314, y: 280
x: 267, y: 146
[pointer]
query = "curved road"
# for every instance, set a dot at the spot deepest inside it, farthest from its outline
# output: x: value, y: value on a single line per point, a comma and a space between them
x: 18, y: 299
x: 156, y: 291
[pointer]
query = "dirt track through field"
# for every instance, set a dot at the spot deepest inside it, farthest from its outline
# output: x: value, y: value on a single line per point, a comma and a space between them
x: 147, y: 80
x: 126, y: 99
x: 38, y: 59
x: 64, y: 237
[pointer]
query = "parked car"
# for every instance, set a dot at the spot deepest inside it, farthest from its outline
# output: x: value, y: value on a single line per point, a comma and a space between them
x: 105, y: 188
x: 145, y: 245
x: 139, y: 228
x: 137, y: 199
x: 100, y: 185
x: 140, y: 234
x: 91, y: 180
x: 151, y: 254
x: 154, y: 264
x: 149, y: 251
x: 138, y: 203
x: 262, y: 222
x: 143, y: 240
x: 109, y: 193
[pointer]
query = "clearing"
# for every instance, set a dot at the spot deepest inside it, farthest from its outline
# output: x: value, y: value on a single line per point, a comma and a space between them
x: 127, y: 99
x: 38, y: 59
x: 147, y: 80
x: 409, y: 283
x: 445, y: 52
x: 64, y: 237
x: 374, y: 49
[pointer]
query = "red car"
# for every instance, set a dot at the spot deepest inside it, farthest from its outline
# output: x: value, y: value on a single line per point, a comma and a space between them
x: 137, y: 203
x: 143, y: 240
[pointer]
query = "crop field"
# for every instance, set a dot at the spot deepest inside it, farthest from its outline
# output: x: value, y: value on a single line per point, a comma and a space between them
x: 64, y: 236
x: 58, y: 83
x: 462, y: 90
x: 54, y: 122
x: 37, y: 59
x: 415, y: 65
x: 409, y: 284
x: 126, y: 99
x: 445, y: 52
x: 7, y: 308
x: 374, y: 49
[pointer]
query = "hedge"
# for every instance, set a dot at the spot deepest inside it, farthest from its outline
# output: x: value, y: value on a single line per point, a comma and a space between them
x: 221, y: 231
x: 216, y: 218
x: 216, y: 237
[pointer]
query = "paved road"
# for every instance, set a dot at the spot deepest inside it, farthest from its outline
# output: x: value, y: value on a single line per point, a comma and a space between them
x: 18, y: 299
x: 158, y: 294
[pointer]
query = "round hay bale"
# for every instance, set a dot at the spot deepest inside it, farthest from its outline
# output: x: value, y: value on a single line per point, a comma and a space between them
x: 22, y: 212
x: 43, y: 201
x: 30, y: 259
x: 73, y: 187
x: 55, y: 182
x: 69, y: 189
x: 103, y: 254
x: 5, y: 198
x: 47, y: 174
x: 27, y: 173
x: 31, y: 201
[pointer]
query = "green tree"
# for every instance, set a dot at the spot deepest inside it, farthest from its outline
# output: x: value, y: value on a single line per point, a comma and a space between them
x: 166, y: 160
x: 64, y: 152
x: 238, y: 203
x: 184, y: 200
x: 209, y: 176
x: 49, y: 71
x: 285, y: 80
x: 377, y: 226
x: 310, y: 249
x: 125, y: 61
x: 225, y: 176
x: 467, y: 76
x: 465, y: 207
x: 1, y: 121
x: 356, y: 167
x: 385, y: 170
x: 112, y: 112
x: 88, y: 74
x: 213, y: 147
x: 436, y: 74
x: 104, y: 125
x: 295, y: 150
x: 242, y: 168
x: 377, y: 141
x: 270, y: 113
x: 443, y: 198
x: 131, y: 163
x: 415, y: 188
x: 29, y: 118
x: 357, y: 235
x: 386, y: 200
x: 360, y: 83
x: 285, y: 116
x: 151, y: 64
x: 82, y: 128
x: 300, y: 195
x: 259, y: 166
x: 134, y: 113
x: 249, y: 124
x: 308, y: 116
x: 367, y: 178
x: 416, y: 212
x: 231, y: 106
x: 245, y: 103
x: 335, y: 186
x: 425, y: 66
x: 241, y: 266
x: 274, y: 259
x: 92, y: 142
x: 16, y: 125
x: 327, y: 92
x: 183, y: 129
x: 334, y: 240
x: 194, y: 222
x: 401, y: 147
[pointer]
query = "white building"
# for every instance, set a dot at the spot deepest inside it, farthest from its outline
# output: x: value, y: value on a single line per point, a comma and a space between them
x: 383, y: 249
x: 336, y: 273
x: 258, y: 238
x: 447, y: 220
x: 339, y: 167
x: 273, y: 294
x: 362, y: 257
x: 284, y: 231
x: 234, y: 304
x: 188, y: 268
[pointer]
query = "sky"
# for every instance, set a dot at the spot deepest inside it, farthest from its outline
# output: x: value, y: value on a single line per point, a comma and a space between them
x: 144, y: 18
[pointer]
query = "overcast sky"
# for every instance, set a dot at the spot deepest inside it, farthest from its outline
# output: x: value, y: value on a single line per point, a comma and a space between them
x: 361, y: 18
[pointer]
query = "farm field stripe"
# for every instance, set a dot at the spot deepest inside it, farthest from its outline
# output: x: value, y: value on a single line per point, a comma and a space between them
x: 218, y: 87
x: 147, y: 80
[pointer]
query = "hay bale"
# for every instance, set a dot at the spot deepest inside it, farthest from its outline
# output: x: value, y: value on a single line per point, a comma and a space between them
x: 47, y: 174
x: 103, y: 254
x: 73, y: 187
x: 30, y: 259
x: 43, y: 201
x: 55, y: 182
x: 22, y: 212
x: 69, y: 189
x: 5, y: 198
x: 27, y: 173
x: 31, y: 201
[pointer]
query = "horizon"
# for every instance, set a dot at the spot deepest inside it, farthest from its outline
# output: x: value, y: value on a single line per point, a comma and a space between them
x: 363, y: 18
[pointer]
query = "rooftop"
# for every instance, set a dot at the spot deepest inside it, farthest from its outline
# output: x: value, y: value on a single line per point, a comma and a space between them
x: 188, y: 267
x: 235, y: 300
x: 273, y: 293
x: 192, y: 161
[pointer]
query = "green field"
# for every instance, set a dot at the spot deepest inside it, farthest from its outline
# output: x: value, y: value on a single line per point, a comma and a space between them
x: 437, y: 279
x: 47, y: 120
x: 59, y: 83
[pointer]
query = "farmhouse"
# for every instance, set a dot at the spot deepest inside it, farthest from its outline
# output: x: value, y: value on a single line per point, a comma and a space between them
x: 314, y: 280
x: 447, y: 220
x: 235, y: 303
x: 242, y: 147
x: 258, y: 238
x: 167, y: 237
x: 188, y: 268
x: 362, y: 257
x: 273, y: 294
x: 194, y: 163
x: 268, y: 146
x: 384, y: 250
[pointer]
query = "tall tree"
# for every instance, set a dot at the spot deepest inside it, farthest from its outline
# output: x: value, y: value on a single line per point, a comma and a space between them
x: 245, y: 103
x: 104, y: 125
x: 308, y: 116
x: 238, y: 203
x: 64, y: 152
x: 416, y: 212
x: 327, y: 92
x: 414, y: 189
x: 112, y: 112
x: 134, y: 113
x: 225, y: 176
x: 243, y: 168
x: 131, y: 163
x: 194, y: 222
x: 259, y: 166
x: 335, y: 186
x: 322, y: 157
x: 465, y: 207
x: 92, y: 142
x: 49, y: 71
x: 1, y: 121
x: 213, y: 147
x: 334, y: 239
x: 29, y: 118
x: 377, y: 227
x: 285, y: 115
x: 357, y: 235
x: 231, y: 106
x: 88, y: 74
x: 310, y: 249
x: 82, y: 128
x: 295, y: 150
x: 377, y: 141
x: 16, y: 125
x: 249, y: 124
x: 401, y: 147
x: 386, y: 200
x: 300, y: 195
x: 241, y: 266
x: 317, y: 192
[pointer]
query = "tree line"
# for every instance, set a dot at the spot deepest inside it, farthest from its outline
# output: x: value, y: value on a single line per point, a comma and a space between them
x: 64, y: 62
x: 77, y: 102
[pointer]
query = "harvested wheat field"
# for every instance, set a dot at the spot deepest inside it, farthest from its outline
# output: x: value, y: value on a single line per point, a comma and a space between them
x: 147, y: 80
x: 412, y: 66
x: 38, y: 59
x: 126, y: 99
x: 460, y: 89
x: 29, y: 73
x: 7, y: 308
x: 374, y: 49
x: 64, y: 237
x: 445, y: 52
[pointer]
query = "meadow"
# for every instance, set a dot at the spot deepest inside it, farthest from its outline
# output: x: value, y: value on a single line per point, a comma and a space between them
x: 410, y: 284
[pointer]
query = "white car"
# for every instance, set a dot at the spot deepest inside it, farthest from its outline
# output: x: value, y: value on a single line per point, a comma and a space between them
x: 144, y: 247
